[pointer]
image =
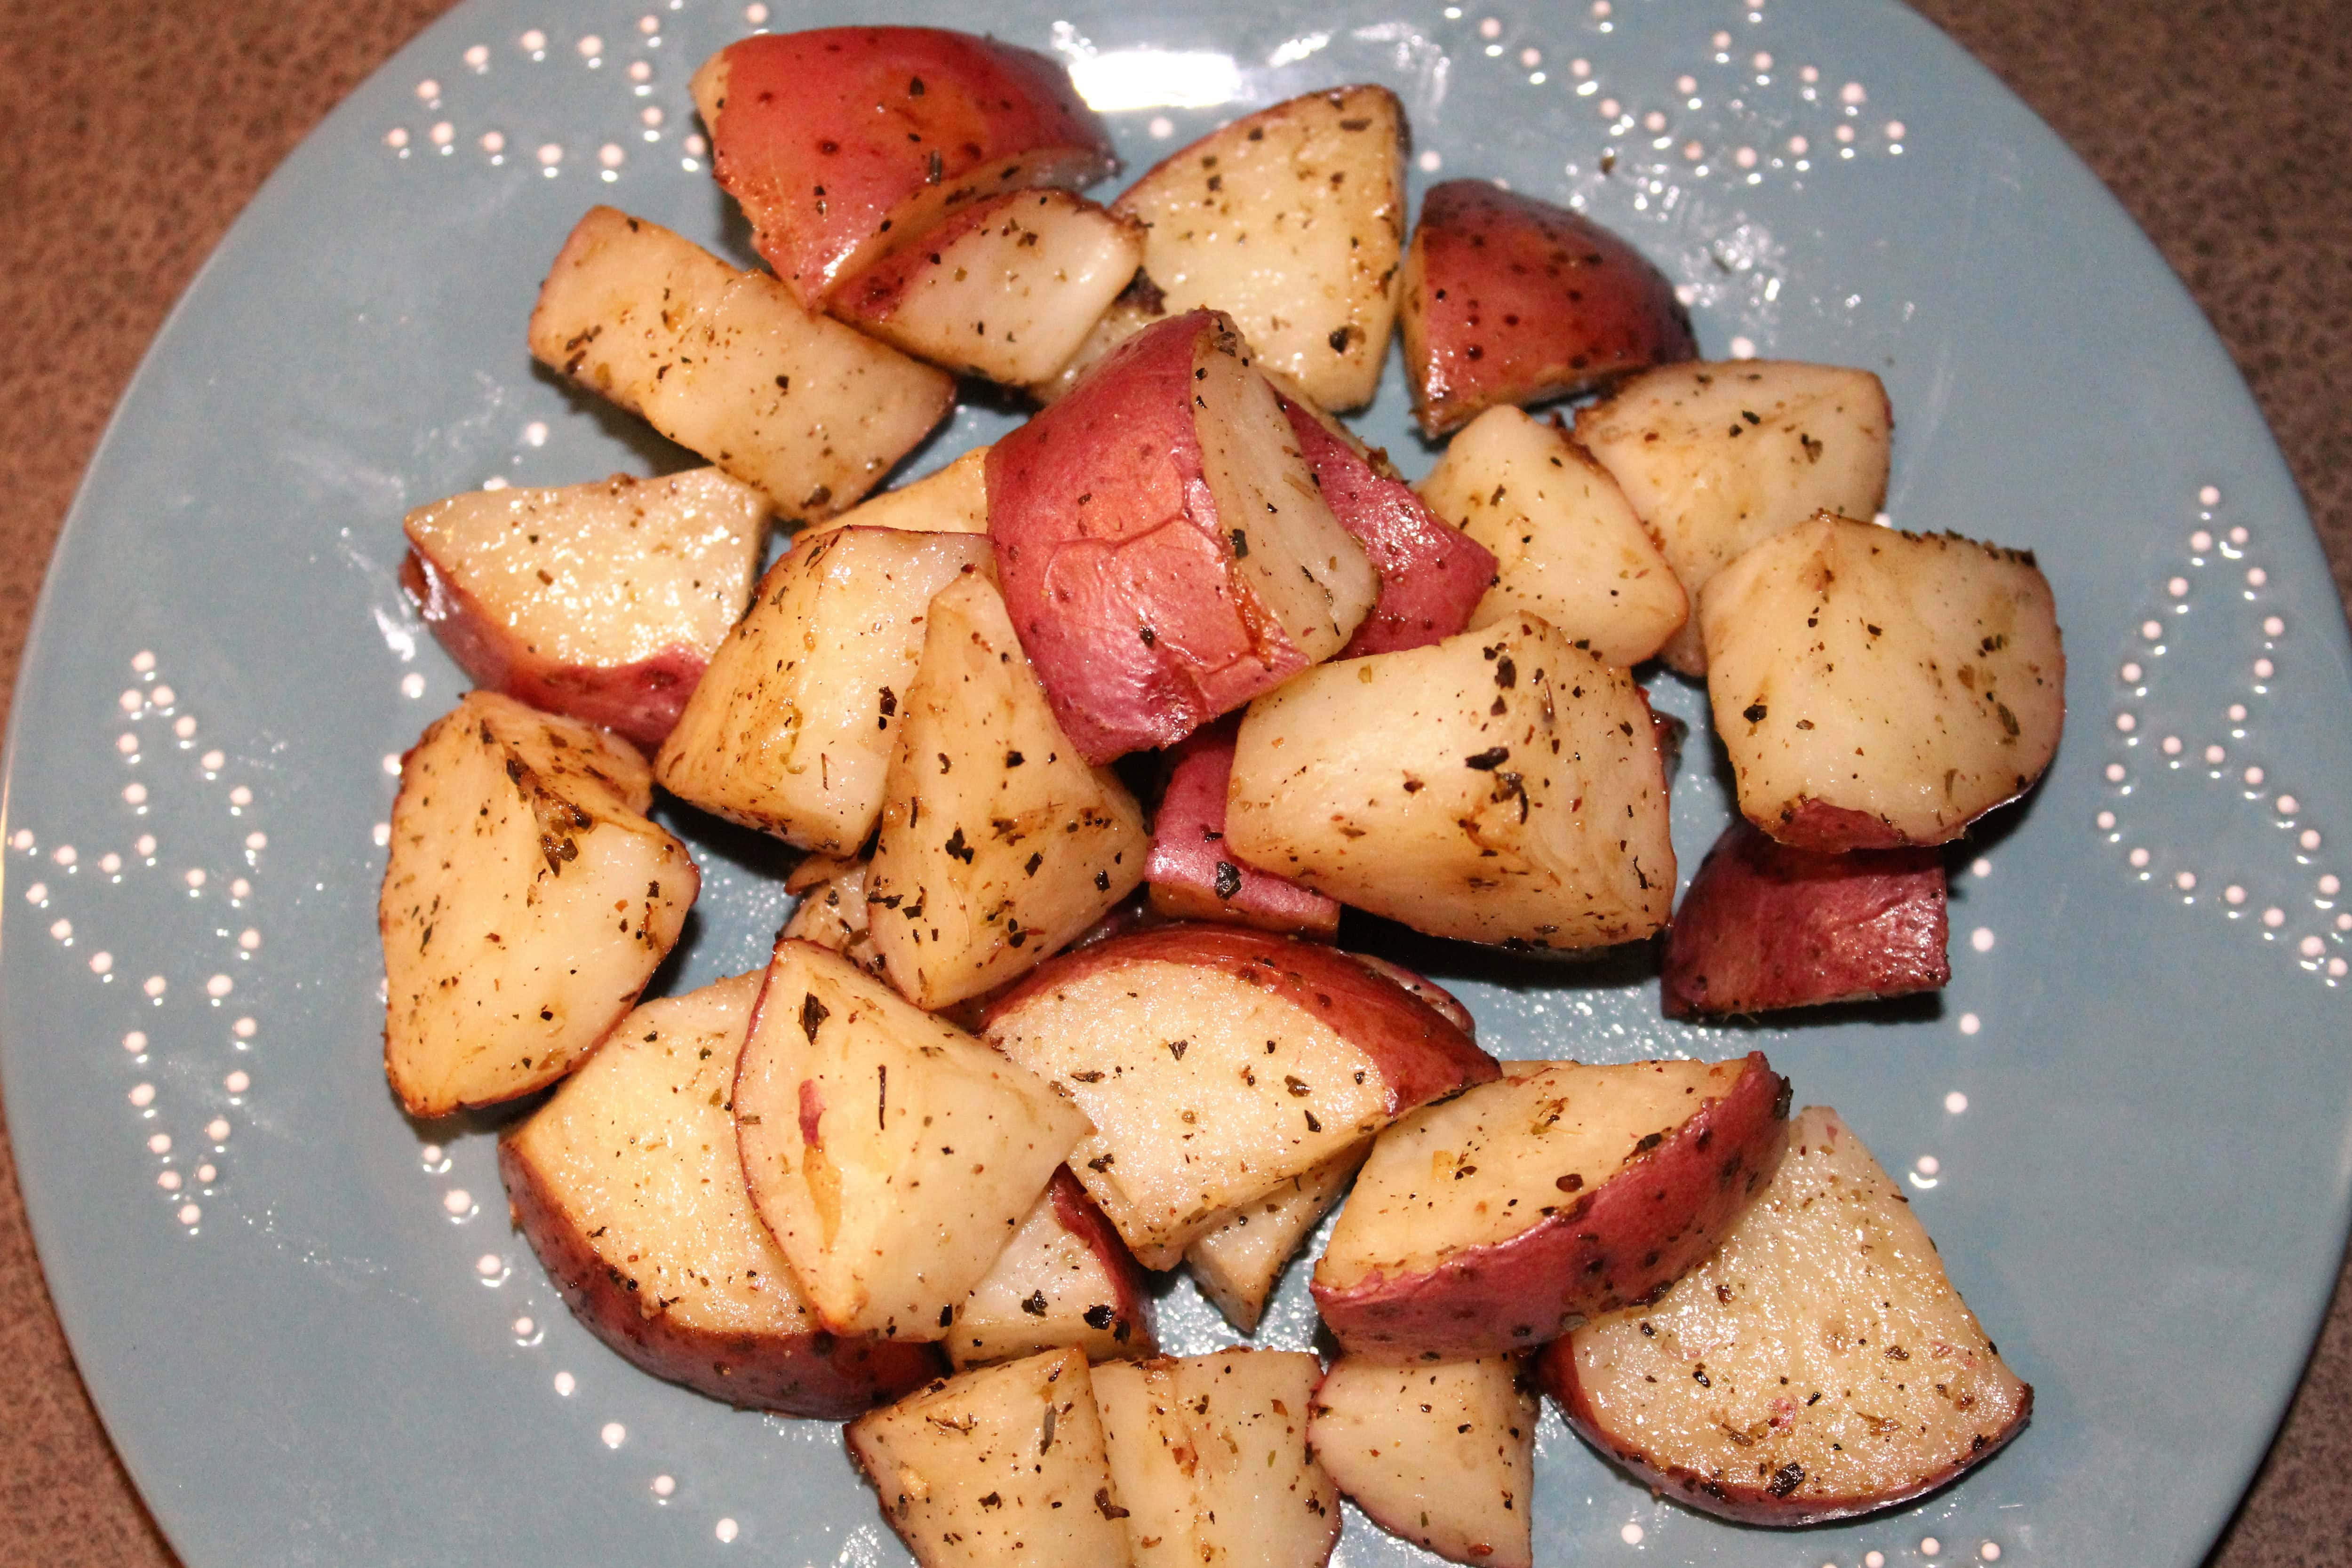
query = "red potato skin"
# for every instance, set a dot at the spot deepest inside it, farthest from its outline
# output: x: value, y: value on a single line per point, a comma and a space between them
x: 1623, y: 1242
x: 1431, y: 576
x: 1449, y: 1006
x: 1510, y: 299
x: 1120, y: 580
x: 1824, y: 828
x: 1192, y: 875
x: 824, y: 134
x: 641, y: 701
x: 1766, y: 926
x: 1131, y: 1313
x: 821, y: 1376
x: 1422, y: 1056
x: 1748, y: 1504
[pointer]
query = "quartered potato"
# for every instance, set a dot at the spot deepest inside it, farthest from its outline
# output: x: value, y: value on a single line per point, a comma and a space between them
x: 1442, y: 1456
x: 1877, y: 688
x: 526, y: 901
x: 1820, y: 1366
x: 1291, y: 221
x: 731, y: 364
x: 1501, y: 786
x: 1001, y: 1466
x: 602, y: 601
x: 998, y: 845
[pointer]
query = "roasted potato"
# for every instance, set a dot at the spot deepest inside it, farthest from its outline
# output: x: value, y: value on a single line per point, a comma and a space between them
x: 526, y: 901
x: 1442, y: 1456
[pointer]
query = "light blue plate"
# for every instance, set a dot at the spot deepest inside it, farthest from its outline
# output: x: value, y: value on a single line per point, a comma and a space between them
x: 310, y: 1331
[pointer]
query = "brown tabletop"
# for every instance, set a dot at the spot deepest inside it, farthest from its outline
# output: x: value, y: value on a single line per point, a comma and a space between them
x: 138, y: 131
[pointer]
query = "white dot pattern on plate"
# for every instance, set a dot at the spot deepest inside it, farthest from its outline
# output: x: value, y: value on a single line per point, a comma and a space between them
x: 179, y: 1049
x: 2173, y: 762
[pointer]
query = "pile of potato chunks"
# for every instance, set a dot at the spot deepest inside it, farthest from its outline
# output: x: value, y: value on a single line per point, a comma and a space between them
x: 1025, y: 1037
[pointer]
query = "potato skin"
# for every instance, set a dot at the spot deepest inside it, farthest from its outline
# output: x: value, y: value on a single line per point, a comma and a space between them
x: 1423, y: 1056
x: 817, y: 1374
x: 798, y: 141
x: 1765, y: 926
x: 1620, y: 1243
x: 1431, y: 576
x: 1510, y: 299
x: 1746, y: 1504
x: 1194, y: 876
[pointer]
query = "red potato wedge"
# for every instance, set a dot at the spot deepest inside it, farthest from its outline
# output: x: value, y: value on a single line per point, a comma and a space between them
x: 1441, y: 1455
x: 998, y: 845
x: 1819, y: 1367
x: 1509, y: 299
x: 1004, y: 289
x: 526, y: 901
x: 1766, y: 926
x: 1501, y: 786
x: 1190, y: 872
x: 1065, y: 1279
x: 1208, y: 1456
x: 1566, y: 544
x: 842, y: 142
x: 601, y: 601
x: 953, y: 500
x: 1291, y: 221
x: 1718, y: 457
x: 891, y: 1155
x: 729, y: 363
x: 1237, y: 1264
x: 1431, y: 577
x: 832, y: 910
x: 628, y: 1185
x: 1876, y: 688
x: 1217, y: 1062
x: 1001, y: 1466
x: 1161, y: 544
x: 793, y: 726
x: 1504, y: 1217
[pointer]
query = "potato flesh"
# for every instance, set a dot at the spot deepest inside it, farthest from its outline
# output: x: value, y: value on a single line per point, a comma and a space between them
x: 1442, y: 1455
x: 998, y: 843
x: 791, y: 728
x: 1208, y: 1456
x: 1501, y: 786
x: 729, y: 363
x: 1498, y: 1159
x: 953, y: 500
x: 1007, y: 289
x: 605, y: 573
x: 1821, y: 1359
x: 1004, y: 1465
x: 1237, y: 1264
x: 1306, y: 569
x: 526, y: 901
x: 1291, y: 221
x: 1054, y: 1287
x: 1205, y: 1092
x: 832, y: 914
x: 1912, y: 682
x: 891, y: 1155
x: 1567, y: 546
x: 642, y: 1144
x: 1126, y: 316
x: 1717, y: 458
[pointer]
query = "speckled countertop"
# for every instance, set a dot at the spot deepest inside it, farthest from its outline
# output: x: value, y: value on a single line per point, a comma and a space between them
x: 138, y: 131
